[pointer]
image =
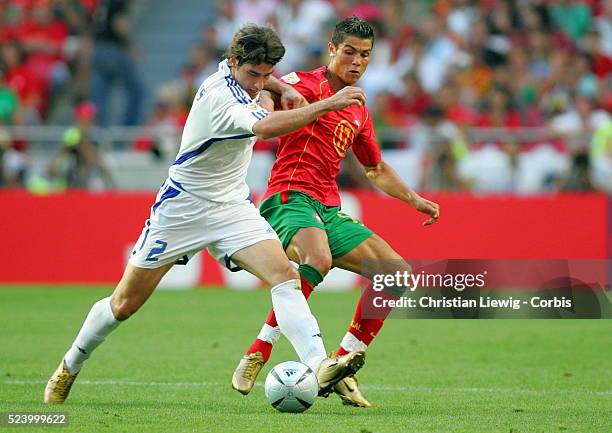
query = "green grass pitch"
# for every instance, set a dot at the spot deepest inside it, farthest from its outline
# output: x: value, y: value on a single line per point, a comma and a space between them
x: 168, y: 369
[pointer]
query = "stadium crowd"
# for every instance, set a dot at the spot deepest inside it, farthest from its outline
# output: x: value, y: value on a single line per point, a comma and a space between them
x: 480, y: 95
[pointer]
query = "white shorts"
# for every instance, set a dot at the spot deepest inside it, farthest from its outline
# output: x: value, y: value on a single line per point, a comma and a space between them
x: 180, y: 225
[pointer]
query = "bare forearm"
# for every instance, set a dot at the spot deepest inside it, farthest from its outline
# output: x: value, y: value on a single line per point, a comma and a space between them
x: 282, y: 122
x: 387, y: 180
x: 275, y: 85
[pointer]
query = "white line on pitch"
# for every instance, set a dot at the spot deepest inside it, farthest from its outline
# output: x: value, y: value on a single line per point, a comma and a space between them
x: 368, y: 387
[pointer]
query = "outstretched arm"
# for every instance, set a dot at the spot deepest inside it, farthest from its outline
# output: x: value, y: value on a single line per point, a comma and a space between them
x: 387, y: 180
x: 282, y: 122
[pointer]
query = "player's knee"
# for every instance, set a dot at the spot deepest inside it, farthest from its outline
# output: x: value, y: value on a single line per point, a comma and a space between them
x: 123, y: 308
x: 320, y: 260
x: 286, y: 273
x: 291, y: 273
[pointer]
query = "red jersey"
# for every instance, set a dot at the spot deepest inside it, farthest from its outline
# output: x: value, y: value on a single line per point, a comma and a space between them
x: 308, y: 159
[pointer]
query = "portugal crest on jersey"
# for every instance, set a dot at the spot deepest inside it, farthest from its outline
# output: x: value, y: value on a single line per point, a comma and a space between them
x: 344, y: 134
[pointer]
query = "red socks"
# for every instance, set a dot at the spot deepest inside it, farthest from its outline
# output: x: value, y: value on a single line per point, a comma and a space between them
x: 364, y: 329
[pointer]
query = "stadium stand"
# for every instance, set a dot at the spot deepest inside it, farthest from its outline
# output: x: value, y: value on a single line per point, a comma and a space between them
x: 488, y: 96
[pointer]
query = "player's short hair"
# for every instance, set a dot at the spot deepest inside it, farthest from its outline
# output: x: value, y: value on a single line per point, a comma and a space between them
x: 352, y: 26
x: 256, y: 45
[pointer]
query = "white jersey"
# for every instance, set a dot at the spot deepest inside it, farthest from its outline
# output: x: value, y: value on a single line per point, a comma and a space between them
x: 218, y: 139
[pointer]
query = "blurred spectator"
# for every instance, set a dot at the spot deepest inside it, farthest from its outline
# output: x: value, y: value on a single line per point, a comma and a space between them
x: 161, y: 136
x: 443, y: 175
x: 77, y: 163
x: 572, y: 17
x: 23, y: 81
x: 202, y: 63
x: 366, y: 9
x: 301, y: 25
x: 226, y: 24
x: 451, y: 101
x: 388, y: 114
x: 587, y: 84
x: 209, y: 38
x: 490, y: 169
x: 601, y: 156
x: 500, y: 22
x: 435, y: 133
x: 461, y: 17
x: 42, y: 37
x: 481, y: 44
x: 113, y: 62
x: 577, y: 123
x: 14, y: 164
x: 601, y: 61
x: 254, y: 11
x: 578, y: 179
x: 439, y: 54
x: 603, y: 25
x: 9, y: 102
x: 78, y: 17
x: 442, y: 73
x: 410, y: 99
x: 497, y: 111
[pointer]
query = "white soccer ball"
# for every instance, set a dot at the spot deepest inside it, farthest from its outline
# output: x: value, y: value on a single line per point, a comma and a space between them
x: 291, y: 387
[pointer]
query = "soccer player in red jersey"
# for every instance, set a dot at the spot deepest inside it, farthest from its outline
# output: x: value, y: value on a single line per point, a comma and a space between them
x: 302, y: 202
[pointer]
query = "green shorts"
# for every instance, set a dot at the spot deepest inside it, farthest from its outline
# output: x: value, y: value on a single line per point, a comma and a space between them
x: 289, y: 212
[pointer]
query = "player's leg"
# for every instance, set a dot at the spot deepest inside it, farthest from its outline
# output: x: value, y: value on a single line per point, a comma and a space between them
x: 133, y: 290
x: 155, y: 252
x: 267, y: 260
x: 351, y: 243
x: 380, y: 259
x: 294, y: 217
x: 309, y: 248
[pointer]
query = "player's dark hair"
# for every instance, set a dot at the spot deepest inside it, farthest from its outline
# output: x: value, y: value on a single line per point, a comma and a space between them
x: 256, y: 45
x: 352, y: 26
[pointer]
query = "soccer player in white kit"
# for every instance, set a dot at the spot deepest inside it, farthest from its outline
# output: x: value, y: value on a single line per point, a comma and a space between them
x: 204, y: 203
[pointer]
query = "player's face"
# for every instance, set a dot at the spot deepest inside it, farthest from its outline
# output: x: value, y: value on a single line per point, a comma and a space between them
x: 252, y: 78
x: 350, y: 58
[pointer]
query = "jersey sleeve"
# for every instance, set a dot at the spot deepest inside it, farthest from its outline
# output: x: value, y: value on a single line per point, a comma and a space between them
x: 240, y: 118
x: 366, y: 147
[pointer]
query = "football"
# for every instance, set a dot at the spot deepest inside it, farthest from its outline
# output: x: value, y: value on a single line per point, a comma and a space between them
x: 291, y: 387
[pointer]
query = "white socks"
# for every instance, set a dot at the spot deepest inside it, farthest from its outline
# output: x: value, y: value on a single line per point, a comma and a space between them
x: 99, y: 323
x: 297, y: 323
x: 293, y: 315
x: 269, y: 334
x: 350, y: 343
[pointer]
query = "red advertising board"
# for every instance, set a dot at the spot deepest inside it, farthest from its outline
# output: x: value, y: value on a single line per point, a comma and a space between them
x: 82, y: 237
